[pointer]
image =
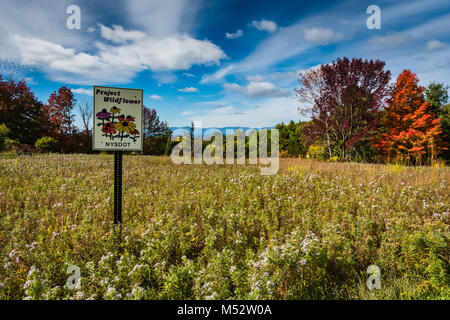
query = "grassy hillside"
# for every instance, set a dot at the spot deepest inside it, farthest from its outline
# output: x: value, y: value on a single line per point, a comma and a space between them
x: 197, y: 232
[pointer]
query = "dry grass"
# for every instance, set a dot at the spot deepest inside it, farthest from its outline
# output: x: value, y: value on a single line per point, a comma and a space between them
x: 199, y: 232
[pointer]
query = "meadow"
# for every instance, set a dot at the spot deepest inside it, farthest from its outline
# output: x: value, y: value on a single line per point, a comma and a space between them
x: 222, y: 232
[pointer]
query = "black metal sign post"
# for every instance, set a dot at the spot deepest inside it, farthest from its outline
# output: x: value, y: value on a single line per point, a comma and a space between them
x: 117, y: 188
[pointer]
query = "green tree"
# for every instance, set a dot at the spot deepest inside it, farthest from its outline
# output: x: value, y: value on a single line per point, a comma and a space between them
x: 156, y: 133
x: 291, y: 138
x: 445, y: 123
x: 437, y: 97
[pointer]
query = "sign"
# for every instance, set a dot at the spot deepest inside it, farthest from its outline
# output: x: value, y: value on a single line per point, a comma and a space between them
x: 118, y: 119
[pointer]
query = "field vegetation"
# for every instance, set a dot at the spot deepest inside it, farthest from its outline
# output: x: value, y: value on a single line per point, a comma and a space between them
x: 222, y: 232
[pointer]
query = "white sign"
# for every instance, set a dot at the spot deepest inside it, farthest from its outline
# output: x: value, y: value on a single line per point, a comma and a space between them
x: 118, y: 119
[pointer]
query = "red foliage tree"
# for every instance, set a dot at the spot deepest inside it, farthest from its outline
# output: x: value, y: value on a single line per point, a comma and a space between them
x: 346, y: 98
x: 59, y: 112
x: 411, y: 128
x: 21, y: 112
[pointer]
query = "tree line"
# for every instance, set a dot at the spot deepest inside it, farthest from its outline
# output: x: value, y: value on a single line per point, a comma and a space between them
x: 28, y: 125
x: 356, y: 114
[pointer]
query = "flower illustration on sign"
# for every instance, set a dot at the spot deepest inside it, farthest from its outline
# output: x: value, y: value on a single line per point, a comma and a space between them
x: 120, y: 127
x: 108, y: 128
x: 123, y: 126
x: 103, y: 115
x: 114, y: 110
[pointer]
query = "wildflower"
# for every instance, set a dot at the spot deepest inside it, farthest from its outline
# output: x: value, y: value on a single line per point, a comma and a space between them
x: 137, y: 292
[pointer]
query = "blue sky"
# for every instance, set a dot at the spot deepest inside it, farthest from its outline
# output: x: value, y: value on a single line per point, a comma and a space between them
x: 226, y: 63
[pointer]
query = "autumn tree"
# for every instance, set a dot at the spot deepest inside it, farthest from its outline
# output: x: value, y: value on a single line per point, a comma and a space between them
x: 59, y: 111
x: 411, y: 127
x: 21, y: 112
x: 344, y: 99
x: 156, y: 133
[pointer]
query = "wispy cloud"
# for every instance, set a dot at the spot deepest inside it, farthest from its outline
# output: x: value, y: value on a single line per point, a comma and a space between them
x: 434, y: 45
x: 258, y: 89
x: 188, y: 89
x: 265, y: 25
x: 235, y: 35
x: 83, y: 91
x: 118, y: 35
x: 322, y: 36
x: 155, y: 97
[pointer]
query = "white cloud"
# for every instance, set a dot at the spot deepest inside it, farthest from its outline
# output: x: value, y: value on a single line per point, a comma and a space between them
x: 83, y: 91
x: 52, y: 56
x: 178, y: 52
x: 235, y: 35
x: 265, y: 25
x: 322, y: 36
x: 189, y: 75
x: 433, y: 45
x: 37, y: 19
x: 155, y: 97
x: 116, y: 63
x: 188, y: 89
x: 118, y: 35
x: 258, y: 89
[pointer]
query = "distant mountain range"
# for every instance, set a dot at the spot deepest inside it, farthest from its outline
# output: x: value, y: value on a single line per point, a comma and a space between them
x: 222, y: 130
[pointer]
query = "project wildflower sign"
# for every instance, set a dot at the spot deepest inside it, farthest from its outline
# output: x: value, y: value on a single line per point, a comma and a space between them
x: 117, y: 119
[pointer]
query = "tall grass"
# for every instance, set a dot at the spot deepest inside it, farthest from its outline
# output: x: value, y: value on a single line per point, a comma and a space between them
x: 219, y: 232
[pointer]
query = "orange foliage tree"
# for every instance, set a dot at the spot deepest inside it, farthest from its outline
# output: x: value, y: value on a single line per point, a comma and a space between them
x: 411, y: 128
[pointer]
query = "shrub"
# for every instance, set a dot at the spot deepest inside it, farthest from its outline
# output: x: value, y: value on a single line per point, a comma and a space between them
x: 4, y: 131
x: 11, y: 144
x: 46, y: 144
x: 316, y: 151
